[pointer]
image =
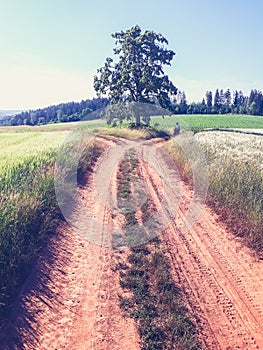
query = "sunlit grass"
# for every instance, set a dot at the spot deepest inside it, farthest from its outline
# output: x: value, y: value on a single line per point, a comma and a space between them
x: 29, y: 212
x: 234, y: 164
x: 19, y: 145
x: 200, y: 122
x: 218, y: 144
x: 131, y: 134
x: 28, y: 209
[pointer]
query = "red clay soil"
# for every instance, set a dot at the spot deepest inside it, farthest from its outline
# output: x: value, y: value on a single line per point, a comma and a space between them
x: 70, y: 300
x: 222, y: 278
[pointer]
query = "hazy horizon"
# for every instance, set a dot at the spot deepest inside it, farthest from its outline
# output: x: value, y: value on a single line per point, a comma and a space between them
x: 51, y: 50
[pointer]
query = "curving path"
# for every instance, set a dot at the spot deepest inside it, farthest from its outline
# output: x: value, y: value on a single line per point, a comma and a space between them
x: 70, y: 300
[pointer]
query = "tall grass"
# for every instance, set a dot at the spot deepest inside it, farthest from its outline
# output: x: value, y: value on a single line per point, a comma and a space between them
x: 235, y: 181
x: 236, y: 192
x: 124, y: 132
x: 28, y: 208
x: 29, y: 211
x: 28, y: 214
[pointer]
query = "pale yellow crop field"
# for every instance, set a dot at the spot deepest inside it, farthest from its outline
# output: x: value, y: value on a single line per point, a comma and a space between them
x: 20, y: 145
x: 220, y: 145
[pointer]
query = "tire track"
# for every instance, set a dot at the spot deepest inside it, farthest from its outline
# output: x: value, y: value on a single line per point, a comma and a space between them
x: 222, y: 281
x: 107, y: 324
x: 77, y: 308
x: 233, y: 321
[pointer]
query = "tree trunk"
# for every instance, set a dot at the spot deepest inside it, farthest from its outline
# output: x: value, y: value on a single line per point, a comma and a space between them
x: 138, y: 120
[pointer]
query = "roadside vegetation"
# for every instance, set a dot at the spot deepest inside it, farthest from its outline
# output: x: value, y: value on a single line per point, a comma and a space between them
x: 235, y: 180
x: 150, y: 295
x: 28, y: 209
x: 29, y: 213
x: 124, y: 132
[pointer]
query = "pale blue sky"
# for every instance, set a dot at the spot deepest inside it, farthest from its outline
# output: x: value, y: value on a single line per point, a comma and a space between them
x: 50, y: 49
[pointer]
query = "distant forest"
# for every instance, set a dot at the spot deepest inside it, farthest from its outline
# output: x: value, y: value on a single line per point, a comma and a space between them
x: 221, y: 102
x: 64, y: 112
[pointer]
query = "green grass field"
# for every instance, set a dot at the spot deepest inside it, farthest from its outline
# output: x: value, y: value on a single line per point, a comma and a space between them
x: 91, y: 124
x: 187, y: 121
x: 200, y: 122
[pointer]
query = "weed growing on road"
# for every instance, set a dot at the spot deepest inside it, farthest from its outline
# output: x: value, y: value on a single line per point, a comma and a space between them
x: 154, y: 301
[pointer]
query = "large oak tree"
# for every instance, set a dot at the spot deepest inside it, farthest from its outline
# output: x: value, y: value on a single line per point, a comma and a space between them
x: 137, y: 74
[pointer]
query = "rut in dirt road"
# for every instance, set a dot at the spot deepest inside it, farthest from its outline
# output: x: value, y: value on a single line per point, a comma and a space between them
x: 70, y: 301
x: 221, y: 280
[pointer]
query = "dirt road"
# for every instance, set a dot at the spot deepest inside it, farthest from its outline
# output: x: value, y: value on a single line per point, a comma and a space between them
x: 223, y: 281
x: 71, y: 298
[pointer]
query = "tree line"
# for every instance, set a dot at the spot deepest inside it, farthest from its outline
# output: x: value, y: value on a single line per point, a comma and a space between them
x: 221, y: 102
x: 134, y: 77
x: 64, y: 112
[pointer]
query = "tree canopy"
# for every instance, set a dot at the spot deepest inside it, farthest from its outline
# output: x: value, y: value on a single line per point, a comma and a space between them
x: 137, y: 76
